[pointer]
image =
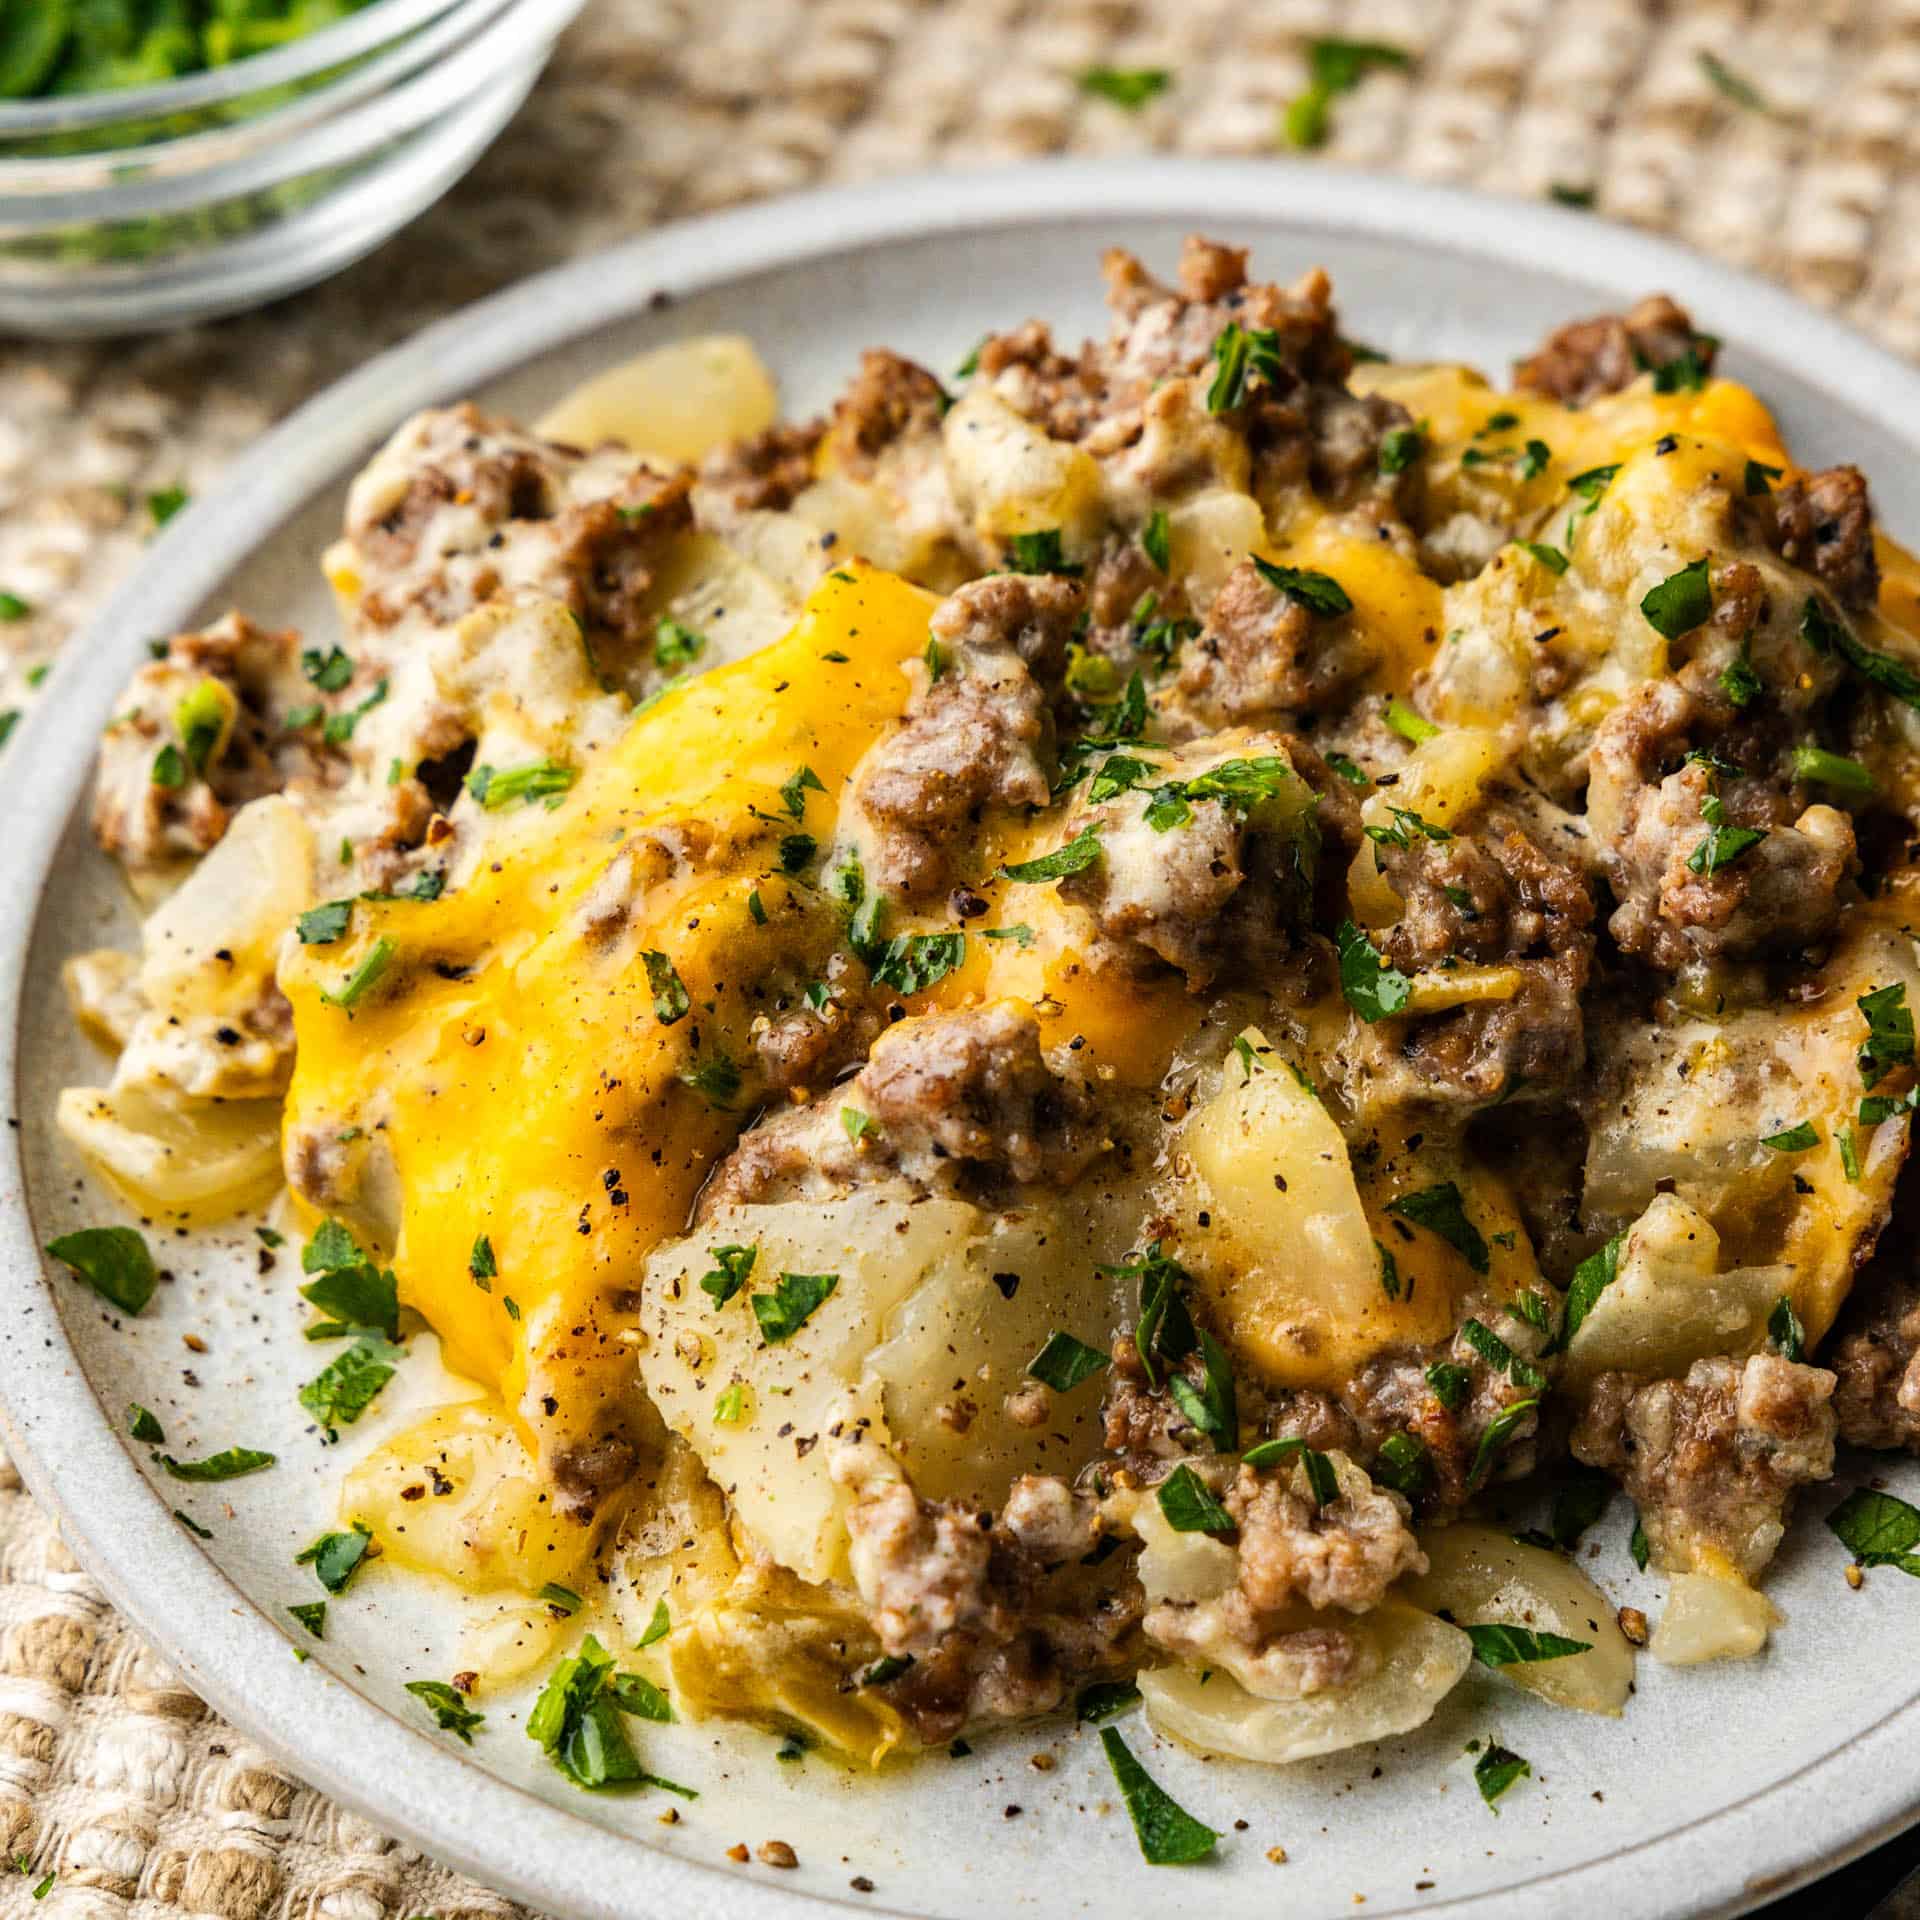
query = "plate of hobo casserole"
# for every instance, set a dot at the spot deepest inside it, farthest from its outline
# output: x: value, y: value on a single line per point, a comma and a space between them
x: 967, y: 1051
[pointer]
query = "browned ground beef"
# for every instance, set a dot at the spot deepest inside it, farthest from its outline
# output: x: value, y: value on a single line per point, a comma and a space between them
x: 979, y: 734
x: 1581, y: 361
x: 766, y: 472
x: 890, y: 399
x: 1824, y: 523
x: 1712, y: 1460
x: 1872, y: 1353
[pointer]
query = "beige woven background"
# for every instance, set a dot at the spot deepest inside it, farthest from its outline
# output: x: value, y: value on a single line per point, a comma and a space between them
x: 112, y: 1776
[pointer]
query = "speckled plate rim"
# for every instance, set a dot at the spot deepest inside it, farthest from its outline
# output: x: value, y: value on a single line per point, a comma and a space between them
x: 232, y: 1654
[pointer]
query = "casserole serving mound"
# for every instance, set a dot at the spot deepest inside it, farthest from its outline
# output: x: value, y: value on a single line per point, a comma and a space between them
x: 1033, y: 1037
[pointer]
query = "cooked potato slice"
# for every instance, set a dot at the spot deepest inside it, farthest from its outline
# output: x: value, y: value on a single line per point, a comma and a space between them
x: 1441, y: 781
x: 1477, y: 1576
x: 1009, y: 477
x: 678, y: 402
x: 496, y: 1531
x: 1414, y: 1661
x: 1712, y: 1616
x: 190, y: 1163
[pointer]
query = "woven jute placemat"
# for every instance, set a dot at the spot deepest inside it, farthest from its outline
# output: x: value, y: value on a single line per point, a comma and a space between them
x: 113, y: 1777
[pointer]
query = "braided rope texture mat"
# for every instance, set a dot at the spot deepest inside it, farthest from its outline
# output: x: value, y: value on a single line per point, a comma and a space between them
x: 114, y: 1778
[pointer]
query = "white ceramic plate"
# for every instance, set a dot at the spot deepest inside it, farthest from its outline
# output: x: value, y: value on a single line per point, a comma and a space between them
x: 1719, y: 1788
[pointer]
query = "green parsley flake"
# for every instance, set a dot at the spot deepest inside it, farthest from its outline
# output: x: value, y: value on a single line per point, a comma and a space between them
x: 1680, y: 603
x: 732, y: 1268
x: 113, y: 1261
x: 658, y: 1627
x: 143, y: 1426
x: 1442, y: 1211
x: 336, y: 1557
x: 670, y: 1002
x: 1498, y: 1645
x: 544, y: 780
x: 1787, y: 1336
x: 164, y: 503
x: 1407, y: 723
x: 1794, y: 1139
x: 1374, y: 990
x: 448, y: 1707
x: 229, y: 1465
x: 1322, y: 1481
x: 717, y: 1081
x: 1156, y: 541
x: 1549, y: 557
x: 321, y: 926
x: 1497, y: 1354
x: 343, y: 1390
x: 1188, y: 1505
x: 169, y: 770
x: 1318, y: 592
x: 1878, y: 1529
x: 1076, y: 856
x: 200, y: 718
x: 730, y: 1407
x: 577, y: 1721
x: 1169, y: 1836
x: 1831, y: 769
x: 1105, y: 1700
x: 1497, y: 1769
x: 12, y: 607
x: 1064, y: 1362
x: 796, y: 1298
x: 1038, y: 552
x: 1127, y: 87
x: 676, y: 646
x: 1889, y: 1032
x: 312, y: 1614
x: 1404, y: 1464
x: 1499, y: 1430
x: 355, y: 987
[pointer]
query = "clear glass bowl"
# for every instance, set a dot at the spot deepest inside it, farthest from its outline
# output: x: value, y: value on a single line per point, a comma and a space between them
x: 131, y: 211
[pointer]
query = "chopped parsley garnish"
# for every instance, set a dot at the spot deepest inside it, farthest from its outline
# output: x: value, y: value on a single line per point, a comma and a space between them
x: 1020, y: 934
x: 1407, y: 723
x: 1350, y: 771
x: 1687, y: 371
x: 449, y: 1709
x: 329, y: 671
x: 1878, y: 1529
x: 756, y: 909
x: 797, y: 851
x: 1784, y: 1331
x: 912, y: 962
x: 717, y: 1081
x: 1211, y: 1407
x: 12, y: 607
x: 1374, y: 990
x: 1732, y: 86
x: 794, y: 791
x: 1155, y: 541
x: 355, y: 987
x: 143, y: 1426
x: 169, y: 770
x: 1824, y: 634
x: 1319, y: 593
x: 1334, y: 67
x: 336, y: 1557
x: 1499, y: 1430
x: 1759, y: 477
x: 1128, y: 87
x: 676, y: 646
x: 1064, y: 1362
x: 544, y: 780
x: 1038, y: 552
x: 1105, y: 1700
x: 1497, y: 1354
x: 1889, y: 1032
x: 1498, y: 1645
x: 1723, y: 844
x: 1169, y: 1836
x: 339, y: 728
x: 795, y: 1299
x: 321, y: 926
x: 1496, y: 1770
x: 732, y: 1268
x: 1549, y: 557
x: 1322, y: 1481
x: 1593, y: 482
x: 1740, y: 683
x: 1831, y: 770
x: 1400, y: 448
x: 1849, y: 1146
x: 1164, y: 1332
x: 855, y: 1124
x: 1794, y: 1139
x: 228, y: 1465
x: 312, y: 1614
x: 577, y: 1721
x: 1591, y: 1278
x: 561, y: 1599
x: 1403, y: 1463
x: 1407, y: 826
x: 1240, y: 354
x: 1681, y: 602
x: 1637, y: 1544
x: 1442, y: 1211
x: 1565, y: 193
x: 1188, y: 1505
x: 113, y: 1261
x: 1076, y: 856
x: 355, y: 1293
x: 344, y: 1389
x: 1389, y: 1270
x: 730, y: 1407
x: 658, y: 1627
x: 670, y: 1002
x: 165, y: 502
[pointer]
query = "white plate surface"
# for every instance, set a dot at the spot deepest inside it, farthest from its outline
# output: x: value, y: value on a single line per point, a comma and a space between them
x: 1718, y: 1788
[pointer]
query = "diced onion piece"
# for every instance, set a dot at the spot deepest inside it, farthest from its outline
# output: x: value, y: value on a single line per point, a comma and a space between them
x: 1480, y: 1576
x: 215, y: 943
x: 678, y: 402
x: 1712, y: 1616
x: 1207, y: 537
x: 1437, y: 991
x: 190, y: 1163
x: 1415, y: 1661
x: 103, y: 989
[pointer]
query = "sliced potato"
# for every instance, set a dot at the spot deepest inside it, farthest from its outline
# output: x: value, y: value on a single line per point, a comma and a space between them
x: 496, y: 1531
x: 189, y: 1163
x: 1414, y: 1660
x: 1668, y: 1305
x: 1441, y: 782
x: 1712, y: 1616
x: 678, y: 401
x: 1478, y: 1576
x: 1009, y: 477
x: 213, y: 946
x: 1207, y: 537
